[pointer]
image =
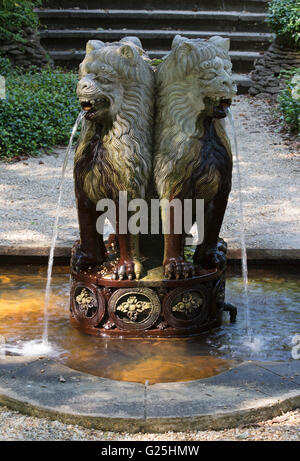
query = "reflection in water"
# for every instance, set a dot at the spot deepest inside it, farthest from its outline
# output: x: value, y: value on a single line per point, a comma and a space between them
x: 274, y: 300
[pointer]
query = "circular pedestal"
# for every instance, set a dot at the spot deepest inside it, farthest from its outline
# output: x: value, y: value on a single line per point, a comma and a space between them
x: 149, y: 307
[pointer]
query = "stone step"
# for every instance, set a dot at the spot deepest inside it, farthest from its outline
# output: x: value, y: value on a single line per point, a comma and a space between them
x: 243, y: 82
x: 156, y: 19
x: 242, y: 61
x: 72, y: 59
x: 225, y: 5
x: 151, y: 39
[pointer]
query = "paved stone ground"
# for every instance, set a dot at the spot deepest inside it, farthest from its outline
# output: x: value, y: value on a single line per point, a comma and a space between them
x: 233, y: 398
x: 15, y: 426
x: 270, y: 172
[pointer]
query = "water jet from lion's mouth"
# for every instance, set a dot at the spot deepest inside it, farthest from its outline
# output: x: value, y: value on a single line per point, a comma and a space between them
x: 55, y: 231
x: 242, y: 235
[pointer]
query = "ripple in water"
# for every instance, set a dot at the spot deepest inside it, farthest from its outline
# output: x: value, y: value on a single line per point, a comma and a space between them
x: 33, y: 348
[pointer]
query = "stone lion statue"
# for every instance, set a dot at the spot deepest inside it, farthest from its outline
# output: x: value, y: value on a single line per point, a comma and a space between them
x: 115, y: 89
x: 192, y: 151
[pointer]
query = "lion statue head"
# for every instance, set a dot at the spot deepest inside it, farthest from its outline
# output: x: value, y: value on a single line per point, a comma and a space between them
x: 197, y: 73
x: 106, y: 71
x: 115, y: 89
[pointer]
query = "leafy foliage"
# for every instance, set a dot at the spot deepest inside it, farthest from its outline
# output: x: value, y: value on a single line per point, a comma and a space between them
x: 289, y: 99
x: 284, y: 20
x: 5, y: 66
x: 15, y: 16
x: 39, y: 110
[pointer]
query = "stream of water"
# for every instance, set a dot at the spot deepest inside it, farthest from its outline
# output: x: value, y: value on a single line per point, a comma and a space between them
x: 45, y: 343
x: 242, y: 228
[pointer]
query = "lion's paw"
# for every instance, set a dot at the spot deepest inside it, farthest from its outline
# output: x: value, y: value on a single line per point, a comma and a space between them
x: 222, y: 246
x: 178, y: 268
x: 213, y: 258
x: 129, y: 269
x: 81, y: 260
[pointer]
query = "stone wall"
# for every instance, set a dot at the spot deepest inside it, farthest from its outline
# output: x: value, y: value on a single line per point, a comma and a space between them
x: 265, y: 81
x: 28, y: 53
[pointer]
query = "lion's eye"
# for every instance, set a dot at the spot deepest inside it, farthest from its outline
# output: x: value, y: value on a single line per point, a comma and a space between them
x: 209, y: 75
x: 103, y: 80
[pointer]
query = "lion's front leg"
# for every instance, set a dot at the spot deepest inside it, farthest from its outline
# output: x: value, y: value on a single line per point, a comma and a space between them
x: 175, y: 265
x: 211, y: 253
x: 90, y: 251
x: 129, y: 265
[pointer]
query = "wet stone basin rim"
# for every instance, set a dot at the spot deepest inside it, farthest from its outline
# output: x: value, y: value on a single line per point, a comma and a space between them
x: 250, y: 392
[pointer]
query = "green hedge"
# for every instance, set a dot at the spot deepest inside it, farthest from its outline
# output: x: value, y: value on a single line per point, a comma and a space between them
x: 284, y: 20
x: 15, y: 16
x: 39, y: 110
x: 289, y: 99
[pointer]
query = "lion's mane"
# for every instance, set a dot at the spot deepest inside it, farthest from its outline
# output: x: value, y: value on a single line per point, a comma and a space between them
x: 179, y: 103
x: 126, y: 149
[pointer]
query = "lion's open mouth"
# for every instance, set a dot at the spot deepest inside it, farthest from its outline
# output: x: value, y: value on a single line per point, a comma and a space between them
x: 92, y: 106
x: 221, y: 107
x: 225, y: 102
x: 86, y: 105
x: 89, y: 108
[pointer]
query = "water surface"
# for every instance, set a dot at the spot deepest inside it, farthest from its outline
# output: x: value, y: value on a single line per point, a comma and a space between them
x: 274, y: 318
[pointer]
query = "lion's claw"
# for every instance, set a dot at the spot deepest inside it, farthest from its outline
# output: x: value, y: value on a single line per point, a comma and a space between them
x: 128, y: 270
x: 178, y: 268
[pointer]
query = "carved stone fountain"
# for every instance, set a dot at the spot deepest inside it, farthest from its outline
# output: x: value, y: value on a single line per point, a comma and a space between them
x: 151, y: 134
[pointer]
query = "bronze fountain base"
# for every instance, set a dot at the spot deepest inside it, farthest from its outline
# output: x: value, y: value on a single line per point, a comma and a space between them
x: 149, y: 307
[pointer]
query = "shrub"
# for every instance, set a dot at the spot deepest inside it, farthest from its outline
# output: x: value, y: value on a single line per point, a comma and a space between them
x: 15, y: 16
x: 5, y: 66
x: 289, y: 99
x: 284, y: 20
x: 39, y: 110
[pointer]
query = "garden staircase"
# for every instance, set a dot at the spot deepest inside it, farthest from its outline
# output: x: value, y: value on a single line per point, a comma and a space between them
x: 66, y: 26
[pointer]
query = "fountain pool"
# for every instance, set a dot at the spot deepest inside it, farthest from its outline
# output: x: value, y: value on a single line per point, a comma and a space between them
x: 274, y: 299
